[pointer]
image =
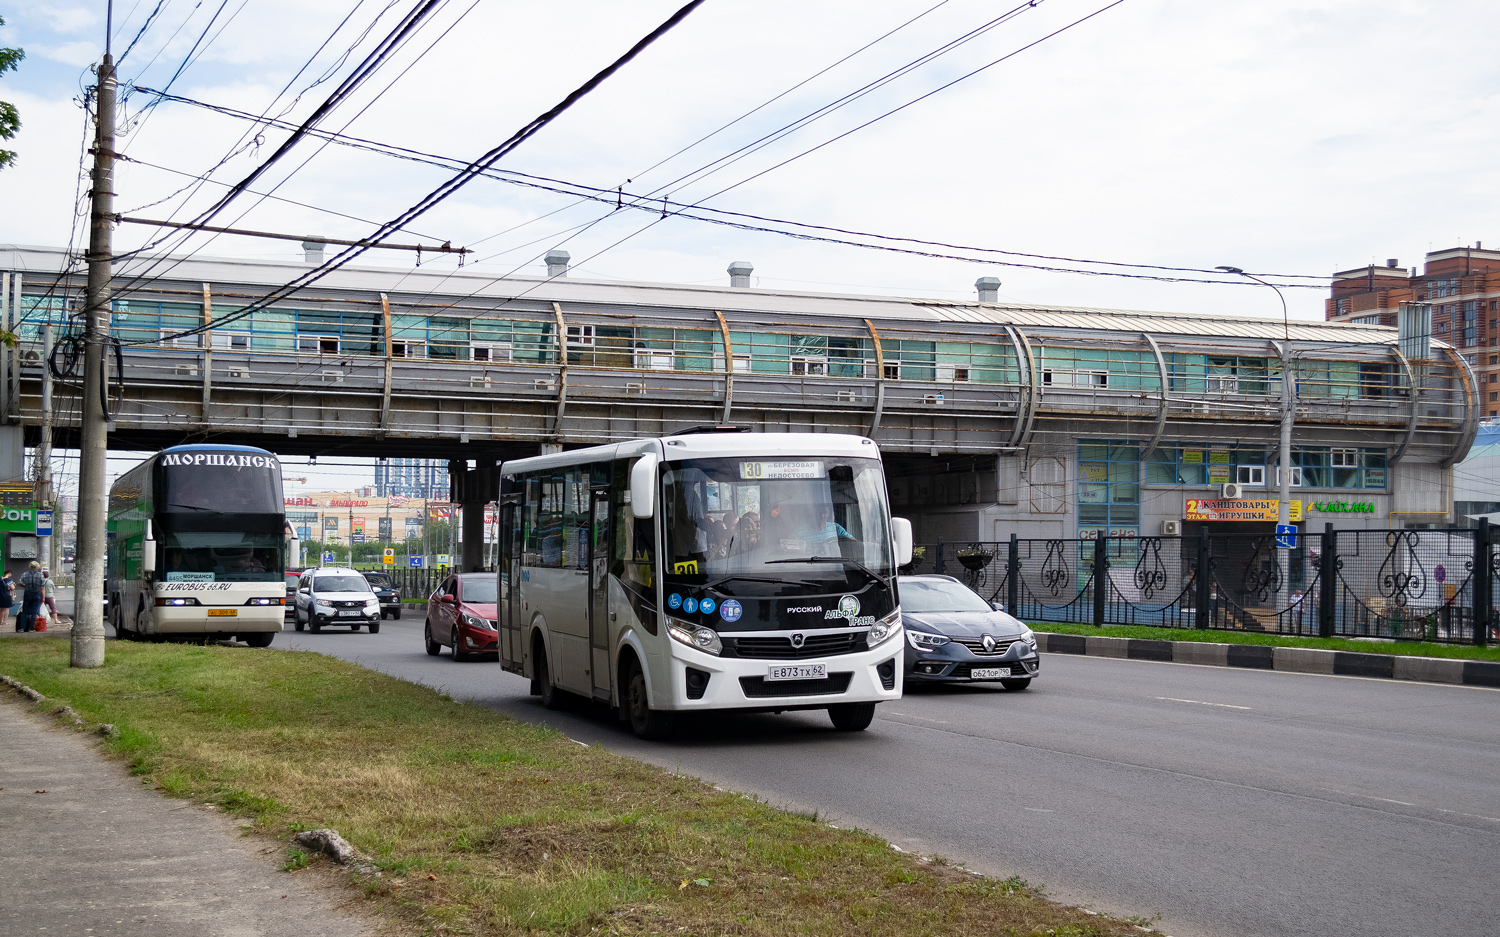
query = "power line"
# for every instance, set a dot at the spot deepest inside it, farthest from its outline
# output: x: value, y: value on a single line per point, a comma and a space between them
x: 619, y: 198
x: 448, y: 188
x: 370, y: 64
x: 142, y: 31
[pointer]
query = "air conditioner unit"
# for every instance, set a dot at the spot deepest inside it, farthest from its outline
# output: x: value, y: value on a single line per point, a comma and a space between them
x: 1171, y: 528
x: 31, y: 358
x: 1231, y: 490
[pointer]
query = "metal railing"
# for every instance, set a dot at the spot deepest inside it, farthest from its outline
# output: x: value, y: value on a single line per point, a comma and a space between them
x: 1404, y: 585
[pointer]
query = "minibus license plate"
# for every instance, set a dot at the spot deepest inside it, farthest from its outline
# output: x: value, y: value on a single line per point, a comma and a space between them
x: 798, y: 672
x: 229, y: 612
x: 989, y: 673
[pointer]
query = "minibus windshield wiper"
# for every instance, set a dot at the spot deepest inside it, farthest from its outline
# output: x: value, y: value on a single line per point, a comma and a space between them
x: 713, y: 583
x: 844, y: 560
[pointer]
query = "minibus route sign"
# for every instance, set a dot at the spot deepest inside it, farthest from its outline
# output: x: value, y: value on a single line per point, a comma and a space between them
x: 802, y: 468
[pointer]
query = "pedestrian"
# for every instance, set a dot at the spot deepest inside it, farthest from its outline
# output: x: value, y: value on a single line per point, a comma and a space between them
x: 7, y: 598
x: 49, y: 591
x: 31, y: 599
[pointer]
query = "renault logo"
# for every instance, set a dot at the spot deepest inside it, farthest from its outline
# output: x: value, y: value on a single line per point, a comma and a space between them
x: 989, y: 643
x: 797, y: 639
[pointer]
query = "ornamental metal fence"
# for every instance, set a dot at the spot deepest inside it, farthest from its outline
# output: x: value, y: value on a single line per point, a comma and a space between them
x: 1411, y: 585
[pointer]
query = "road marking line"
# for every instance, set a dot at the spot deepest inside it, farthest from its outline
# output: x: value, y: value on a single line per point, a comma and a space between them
x: 1457, y: 813
x: 1038, y: 810
x: 1173, y: 699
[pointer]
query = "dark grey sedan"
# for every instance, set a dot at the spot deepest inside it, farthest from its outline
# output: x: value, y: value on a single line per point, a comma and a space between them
x: 954, y: 636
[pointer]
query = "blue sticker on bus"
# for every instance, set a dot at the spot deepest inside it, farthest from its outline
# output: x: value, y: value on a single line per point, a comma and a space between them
x: 674, y: 601
x: 689, y: 604
x: 708, y: 606
x: 730, y: 610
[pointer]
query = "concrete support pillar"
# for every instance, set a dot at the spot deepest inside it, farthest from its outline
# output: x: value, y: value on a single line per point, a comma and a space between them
x: 473, y: 536
x: 472, y: 486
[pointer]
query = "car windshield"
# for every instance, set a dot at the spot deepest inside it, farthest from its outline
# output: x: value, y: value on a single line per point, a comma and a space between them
x: 340, y: 584
x: 480, y: 590
x: 378, y: 580
x: 729, y: 516
x: 937, y: 595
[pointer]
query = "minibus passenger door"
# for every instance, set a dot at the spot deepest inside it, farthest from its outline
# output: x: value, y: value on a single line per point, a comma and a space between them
x: 599, y: 554
x: 510, y: 564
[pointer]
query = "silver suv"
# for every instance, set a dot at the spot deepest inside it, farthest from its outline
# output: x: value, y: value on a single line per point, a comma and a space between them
x: 335, y: 595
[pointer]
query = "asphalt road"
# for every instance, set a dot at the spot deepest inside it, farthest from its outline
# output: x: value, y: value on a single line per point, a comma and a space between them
x: 1231, y: 803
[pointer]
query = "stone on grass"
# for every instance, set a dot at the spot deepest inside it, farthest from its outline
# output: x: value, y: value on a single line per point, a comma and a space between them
x: 328, y: 842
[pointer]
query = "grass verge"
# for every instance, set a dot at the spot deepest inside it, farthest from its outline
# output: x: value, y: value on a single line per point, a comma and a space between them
x: 1406, y: 648
x: 480, y: 824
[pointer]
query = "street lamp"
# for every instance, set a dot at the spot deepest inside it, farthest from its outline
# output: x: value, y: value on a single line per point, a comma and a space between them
x: 1284, y: 472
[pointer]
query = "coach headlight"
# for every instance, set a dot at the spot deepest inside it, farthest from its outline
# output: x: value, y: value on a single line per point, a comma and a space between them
x: 695, y: 636
x: 884, y: 629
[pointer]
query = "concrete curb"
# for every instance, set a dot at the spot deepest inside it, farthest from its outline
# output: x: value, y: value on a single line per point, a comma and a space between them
x: 1263, y: 657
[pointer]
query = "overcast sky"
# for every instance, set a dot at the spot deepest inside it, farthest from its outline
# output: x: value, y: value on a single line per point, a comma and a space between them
x: 1297, y: 138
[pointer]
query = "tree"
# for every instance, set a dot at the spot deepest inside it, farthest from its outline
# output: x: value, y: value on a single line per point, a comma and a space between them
x: 10, y: 121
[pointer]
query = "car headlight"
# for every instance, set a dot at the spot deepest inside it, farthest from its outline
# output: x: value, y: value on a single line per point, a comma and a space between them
x: 925, y: 642
x: 323, y: 608
x: 372, y: 605
x: 884, y: 629
x: 695, y: 636
x: 476, y: 622
x: 1029, y: 637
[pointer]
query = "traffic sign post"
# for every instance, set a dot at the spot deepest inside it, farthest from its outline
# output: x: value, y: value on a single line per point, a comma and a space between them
x: 328, y: 557
x: 1286, y: 536
x: 388, y: 557
x: 44, y: 522
x: 416, y: 562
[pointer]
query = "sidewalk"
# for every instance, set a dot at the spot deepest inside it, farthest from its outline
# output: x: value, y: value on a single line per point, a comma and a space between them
x: 88, y: 850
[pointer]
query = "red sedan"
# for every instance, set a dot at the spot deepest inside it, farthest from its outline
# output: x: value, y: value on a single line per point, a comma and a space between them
x: 461, y: 615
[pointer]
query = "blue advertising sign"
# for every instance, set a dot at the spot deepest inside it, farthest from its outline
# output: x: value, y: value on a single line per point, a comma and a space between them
x: 1286, y: 536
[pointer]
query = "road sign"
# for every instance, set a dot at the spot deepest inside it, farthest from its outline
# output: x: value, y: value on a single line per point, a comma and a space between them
x: 44, y: 522
x: 442, y: 559
x: 328, y: 557
x: 1286, y: 536
x: 416, y: 562
x: 388, y: 557
x: 1439, y: 573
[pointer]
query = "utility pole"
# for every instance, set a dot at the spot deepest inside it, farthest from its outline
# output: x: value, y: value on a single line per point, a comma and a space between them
x: 88, y: 613
x: 44, y: 499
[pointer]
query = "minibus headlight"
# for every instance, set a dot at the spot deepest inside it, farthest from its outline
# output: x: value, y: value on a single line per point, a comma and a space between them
x: 695, y: 636
x: 884, y: 629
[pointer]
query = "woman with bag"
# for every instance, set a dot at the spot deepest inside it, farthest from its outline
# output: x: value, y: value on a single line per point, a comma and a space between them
x: 31, y: 602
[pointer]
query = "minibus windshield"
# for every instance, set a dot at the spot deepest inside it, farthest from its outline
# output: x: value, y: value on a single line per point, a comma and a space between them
x: 776, y: 518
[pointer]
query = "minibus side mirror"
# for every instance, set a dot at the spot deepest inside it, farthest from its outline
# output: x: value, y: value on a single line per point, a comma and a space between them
x: 901, y: 540
x: 643, y: 485
x: 293, y: 552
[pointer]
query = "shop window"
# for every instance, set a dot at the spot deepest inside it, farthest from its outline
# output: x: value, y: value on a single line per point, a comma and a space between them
x: 1343, y: 458
x: 581, y: 335
x: 1254, y: 475
x: 407, y: 348
x: 952, y: 373
x: 232, y: 341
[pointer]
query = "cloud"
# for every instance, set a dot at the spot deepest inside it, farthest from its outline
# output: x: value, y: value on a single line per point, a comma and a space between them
x: 70, y: 19
x: 78, y: 54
